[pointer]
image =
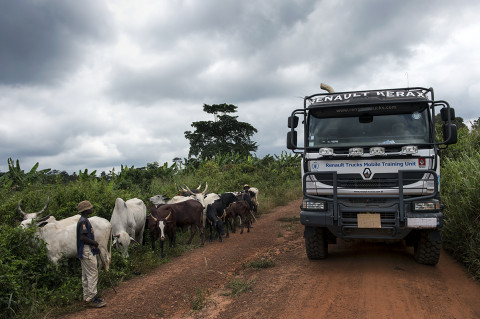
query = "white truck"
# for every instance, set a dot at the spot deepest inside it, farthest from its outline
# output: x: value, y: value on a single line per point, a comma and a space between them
x: 370, y: 167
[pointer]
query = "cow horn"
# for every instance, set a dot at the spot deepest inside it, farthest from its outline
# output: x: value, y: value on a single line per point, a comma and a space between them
x: 199, y: 186
x: 189, y: 190
x: 154, y: 218
x: 205, y: 190
x: 45, y: 207
x: 169, y: 214
x: 38, y: 213
x: 20, y: 209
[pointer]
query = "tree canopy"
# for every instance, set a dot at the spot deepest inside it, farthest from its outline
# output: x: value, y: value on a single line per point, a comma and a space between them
x: 222, y: 136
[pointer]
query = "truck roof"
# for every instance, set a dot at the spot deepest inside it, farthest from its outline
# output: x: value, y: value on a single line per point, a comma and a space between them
x: 385, y: 96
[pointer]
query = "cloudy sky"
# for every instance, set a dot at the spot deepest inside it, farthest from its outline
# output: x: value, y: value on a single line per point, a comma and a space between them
x: 96, y: 84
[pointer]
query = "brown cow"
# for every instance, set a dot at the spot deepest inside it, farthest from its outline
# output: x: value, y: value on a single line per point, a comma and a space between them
x: 241, y: 209
x: 161, y: 222
x: 186, y: 213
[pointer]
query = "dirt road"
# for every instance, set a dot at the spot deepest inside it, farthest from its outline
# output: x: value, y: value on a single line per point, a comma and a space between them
x: 358, y: 280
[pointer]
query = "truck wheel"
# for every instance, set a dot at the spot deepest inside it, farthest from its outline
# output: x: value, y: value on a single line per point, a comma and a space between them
x: 317, y: 244
x: 427, y: 247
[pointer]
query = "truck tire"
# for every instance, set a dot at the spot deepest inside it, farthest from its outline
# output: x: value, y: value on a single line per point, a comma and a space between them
x: 427, y: 247
x: 317, y: 244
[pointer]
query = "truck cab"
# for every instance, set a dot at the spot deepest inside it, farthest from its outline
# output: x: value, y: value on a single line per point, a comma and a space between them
x: 370, y: 167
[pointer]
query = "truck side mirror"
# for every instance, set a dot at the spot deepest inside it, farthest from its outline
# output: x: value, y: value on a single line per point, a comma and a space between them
x: 446, y: 113
x: 452, y: 137
x: 292, y: 140
x: 292, y: 121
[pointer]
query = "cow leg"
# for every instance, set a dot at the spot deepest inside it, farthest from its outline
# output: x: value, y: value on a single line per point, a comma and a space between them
x: 193, y: 231
x: 211, y: 231
x: 140, y: 237
x: 161, y: 249
x: 202, y: 234
x: 226, y: 227
x: 219, y: 231
x: 152, y: 239
x: 234, y: 224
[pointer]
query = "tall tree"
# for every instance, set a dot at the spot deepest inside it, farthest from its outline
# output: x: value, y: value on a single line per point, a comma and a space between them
x: 225, y: 134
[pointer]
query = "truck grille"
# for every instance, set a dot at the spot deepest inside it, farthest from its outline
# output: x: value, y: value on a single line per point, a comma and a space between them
x: 380, y: 180
x: 350, y: 219
x: 383, y: 215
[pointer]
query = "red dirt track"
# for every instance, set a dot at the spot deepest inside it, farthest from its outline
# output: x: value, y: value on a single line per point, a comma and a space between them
x: 358, y: 280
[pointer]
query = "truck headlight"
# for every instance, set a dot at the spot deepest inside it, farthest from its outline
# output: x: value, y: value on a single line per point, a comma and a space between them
x: 326, y: 151
x: 377, y: 151
x: 409, y: 149
x: 355, y: 151
x: 426, y: 206
x: 313, y: 205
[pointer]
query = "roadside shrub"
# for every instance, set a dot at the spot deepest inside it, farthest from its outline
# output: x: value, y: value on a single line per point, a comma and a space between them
x: 460, y: 194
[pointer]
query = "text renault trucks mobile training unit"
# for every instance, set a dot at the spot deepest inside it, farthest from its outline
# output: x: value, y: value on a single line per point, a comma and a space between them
x: 370, y: 167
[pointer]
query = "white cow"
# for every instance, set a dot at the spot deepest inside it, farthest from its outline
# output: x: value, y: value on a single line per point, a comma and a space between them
x: 254, y: 199
x: 61, y: 235
x: 128, y: 223
x: 61, y: 239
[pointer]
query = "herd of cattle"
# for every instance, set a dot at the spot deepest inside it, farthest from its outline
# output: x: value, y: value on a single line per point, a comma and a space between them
x: 192, y: 209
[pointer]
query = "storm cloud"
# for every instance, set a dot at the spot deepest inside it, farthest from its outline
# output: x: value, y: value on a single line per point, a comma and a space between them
x: 98, y: 84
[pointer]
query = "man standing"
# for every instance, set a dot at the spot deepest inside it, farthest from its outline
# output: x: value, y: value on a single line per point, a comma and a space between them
x: 246, y: 196
x: 87, y: 248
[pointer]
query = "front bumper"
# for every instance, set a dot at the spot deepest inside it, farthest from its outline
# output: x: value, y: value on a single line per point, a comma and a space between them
x: 346, y: 225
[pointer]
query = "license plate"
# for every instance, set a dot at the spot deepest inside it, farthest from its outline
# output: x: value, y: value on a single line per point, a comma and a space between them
x: 369, y: 221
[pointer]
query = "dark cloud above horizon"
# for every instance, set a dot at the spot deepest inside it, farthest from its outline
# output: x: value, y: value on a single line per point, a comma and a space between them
x: 42, y: 42
x: 99, y: 84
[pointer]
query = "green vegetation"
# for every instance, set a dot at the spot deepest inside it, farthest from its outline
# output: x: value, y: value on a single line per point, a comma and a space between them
x: 239, y: 286
x: 32, y: 287
x: 259, y: 263
x: 200, y: 299
x: 460, y: 188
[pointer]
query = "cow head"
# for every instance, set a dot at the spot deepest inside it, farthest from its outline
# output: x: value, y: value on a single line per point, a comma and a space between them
x: 158, y: 200
x: 161, y: 224
x: 30, y: 218
x: 198, y: 196
x: 122, y: 241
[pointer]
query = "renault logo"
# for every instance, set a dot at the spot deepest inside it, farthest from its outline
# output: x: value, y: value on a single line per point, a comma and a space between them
x: 367, y: 173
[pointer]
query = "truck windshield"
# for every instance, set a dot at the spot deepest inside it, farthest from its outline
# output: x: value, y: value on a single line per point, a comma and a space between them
x: 410, y: 128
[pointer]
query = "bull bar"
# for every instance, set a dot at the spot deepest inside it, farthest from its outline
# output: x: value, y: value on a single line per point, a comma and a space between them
x: 345, y: 215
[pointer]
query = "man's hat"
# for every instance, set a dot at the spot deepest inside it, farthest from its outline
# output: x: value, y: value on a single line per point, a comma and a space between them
x: 84, y: 205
